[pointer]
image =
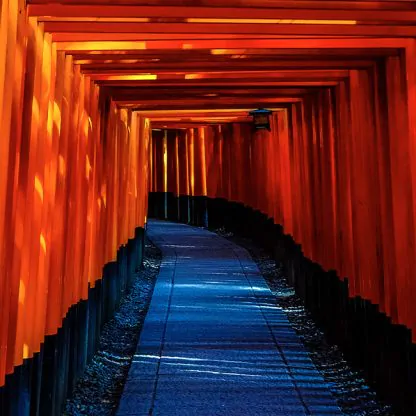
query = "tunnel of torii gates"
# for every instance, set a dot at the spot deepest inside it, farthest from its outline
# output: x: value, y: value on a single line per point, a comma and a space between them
x: 84, y: 82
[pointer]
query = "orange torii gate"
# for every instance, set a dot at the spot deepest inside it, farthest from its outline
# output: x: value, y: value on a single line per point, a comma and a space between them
x: 83, y: 82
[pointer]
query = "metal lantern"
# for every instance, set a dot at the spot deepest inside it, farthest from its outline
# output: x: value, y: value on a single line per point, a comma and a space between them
x: 261, y: 118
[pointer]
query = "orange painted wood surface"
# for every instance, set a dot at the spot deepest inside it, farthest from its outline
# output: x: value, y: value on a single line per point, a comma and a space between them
x: 73, y: 184
x: 81, y: 79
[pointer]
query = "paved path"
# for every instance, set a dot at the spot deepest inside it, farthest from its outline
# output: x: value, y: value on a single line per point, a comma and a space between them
x: 213, y: 342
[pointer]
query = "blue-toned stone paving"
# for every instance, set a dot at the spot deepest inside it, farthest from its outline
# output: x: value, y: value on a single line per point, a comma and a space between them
x: 214, y: 342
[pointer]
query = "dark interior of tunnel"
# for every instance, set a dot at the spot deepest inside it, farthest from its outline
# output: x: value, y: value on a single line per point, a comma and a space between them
x: 116, y: 112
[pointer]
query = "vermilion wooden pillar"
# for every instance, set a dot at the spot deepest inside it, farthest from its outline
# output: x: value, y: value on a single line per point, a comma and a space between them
x: 210, y: 160
x: 301, y: 210
x: 214, y: 151
x: 309, y: 191
x: 410, y: 65
x: 257, y: 166
x: 226, y: 133
x: 183, y: 164
x: 327, y: 182
x: 235, y: 160
x: 158, y: 145
x: 190, y: 145
x: 400, y: 149
x: 199, y: 164
x: 364, y: 185
x: 172, y: 162
x: 345, y: 256
x: 284, y: 163
x: 388, y: 295
x: 247, y: 174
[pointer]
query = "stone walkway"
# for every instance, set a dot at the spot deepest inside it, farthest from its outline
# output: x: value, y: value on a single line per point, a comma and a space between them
x: 213, y: 342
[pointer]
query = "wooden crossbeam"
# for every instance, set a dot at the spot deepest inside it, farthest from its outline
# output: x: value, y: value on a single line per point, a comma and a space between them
x: 240, y: 83
x: 93, y: 36
x: 203, y: 104
x: 244, y: 64
x: 223, y: 47
x: 150, y: 96
x: 333, y: 10
x: 232, y: 28
x: 226, y: 55
x: 260, y: 74
x: 121, y: 68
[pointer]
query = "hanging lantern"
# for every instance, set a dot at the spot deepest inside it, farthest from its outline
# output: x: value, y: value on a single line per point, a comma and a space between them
x: 261, y: 118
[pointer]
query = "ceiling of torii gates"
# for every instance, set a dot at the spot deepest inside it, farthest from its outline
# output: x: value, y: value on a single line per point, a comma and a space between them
x: 185, y: 62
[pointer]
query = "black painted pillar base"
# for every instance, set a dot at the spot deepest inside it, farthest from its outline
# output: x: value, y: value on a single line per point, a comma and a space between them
x: 172, y: 207
x: 200, y: 211
x: 184, y: 209
x: 157, y: 205
x: 41, y: 385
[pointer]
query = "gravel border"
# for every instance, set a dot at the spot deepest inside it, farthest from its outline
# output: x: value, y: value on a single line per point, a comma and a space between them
x: 99, y: 390
x: 352, y: 393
